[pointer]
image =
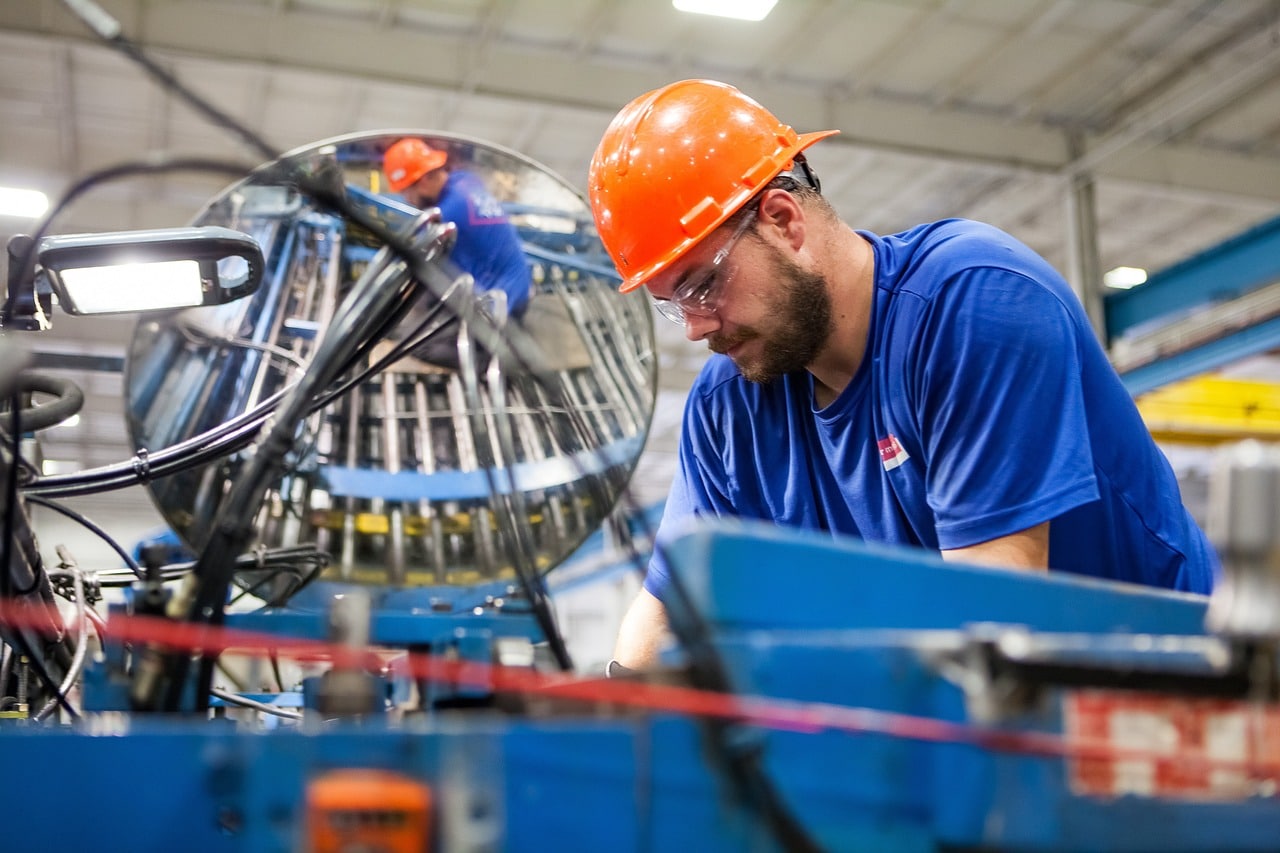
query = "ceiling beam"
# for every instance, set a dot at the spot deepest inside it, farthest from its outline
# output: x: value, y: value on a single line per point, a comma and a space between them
x: 527, y: 72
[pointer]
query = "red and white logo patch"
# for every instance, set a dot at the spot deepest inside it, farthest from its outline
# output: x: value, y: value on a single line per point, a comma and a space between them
x: 892, y: 453
x: 1172, y: 747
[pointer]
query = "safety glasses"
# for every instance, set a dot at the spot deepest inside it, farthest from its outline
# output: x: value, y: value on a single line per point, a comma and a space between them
x: 700, y: 291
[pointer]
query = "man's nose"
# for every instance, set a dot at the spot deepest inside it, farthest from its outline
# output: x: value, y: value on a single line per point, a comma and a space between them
x: 698, y: 326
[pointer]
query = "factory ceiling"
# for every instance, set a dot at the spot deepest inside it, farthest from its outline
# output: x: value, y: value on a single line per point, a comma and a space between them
x: 978, y: 108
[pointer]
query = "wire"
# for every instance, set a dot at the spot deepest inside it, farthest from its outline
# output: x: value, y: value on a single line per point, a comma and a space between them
x: 213, y: 444
x: 82, y: 629
x: 275, y: 668
x: 301, y: 580
x: 233, y: 435
x: 11, y: 494
x: 200, y: 336
x: 246, y: 702
x: 99, y: 624
x: 109, y: 30
x: 69, y: 399
x: 7, y: 590
x: 84, y: 522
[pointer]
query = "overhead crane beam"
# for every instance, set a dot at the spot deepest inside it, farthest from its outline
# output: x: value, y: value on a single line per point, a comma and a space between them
x: 1220, y: 305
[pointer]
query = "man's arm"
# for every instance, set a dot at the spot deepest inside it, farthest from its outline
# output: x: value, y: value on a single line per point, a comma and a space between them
x: 1026, y: 549
x: 641, y: 635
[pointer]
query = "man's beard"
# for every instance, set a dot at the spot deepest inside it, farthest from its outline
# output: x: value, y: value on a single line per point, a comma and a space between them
x: 799, y: 328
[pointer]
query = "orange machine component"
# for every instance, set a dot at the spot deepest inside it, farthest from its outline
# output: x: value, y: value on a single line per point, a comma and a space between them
x: 371, y: 811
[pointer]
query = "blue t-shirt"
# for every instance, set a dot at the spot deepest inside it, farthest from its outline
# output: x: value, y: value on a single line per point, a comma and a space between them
x: 984, y: 405
x: 488, y: 246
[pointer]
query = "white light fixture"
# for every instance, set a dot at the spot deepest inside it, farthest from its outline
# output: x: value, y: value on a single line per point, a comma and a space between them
x: 1123, y: 278
x: 745, y: 10
x: 158, y: 270
x: 26, y: 204
x: 124, y: 288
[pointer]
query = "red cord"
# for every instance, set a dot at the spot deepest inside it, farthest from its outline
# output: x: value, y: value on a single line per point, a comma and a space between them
x: 764, y: 711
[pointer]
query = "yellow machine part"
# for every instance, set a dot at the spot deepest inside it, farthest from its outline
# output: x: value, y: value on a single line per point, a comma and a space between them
x: 1213, y: 409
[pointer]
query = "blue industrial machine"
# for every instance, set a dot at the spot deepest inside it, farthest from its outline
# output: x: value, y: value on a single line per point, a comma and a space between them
x: 910, y: 706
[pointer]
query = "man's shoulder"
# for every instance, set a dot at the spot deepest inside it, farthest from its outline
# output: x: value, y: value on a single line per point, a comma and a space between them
x: 962, y: 243
x: 925, y: 259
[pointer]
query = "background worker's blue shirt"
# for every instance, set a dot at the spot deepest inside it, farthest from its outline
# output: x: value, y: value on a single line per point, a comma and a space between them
x: 984, y: 406
x: 488, y: 246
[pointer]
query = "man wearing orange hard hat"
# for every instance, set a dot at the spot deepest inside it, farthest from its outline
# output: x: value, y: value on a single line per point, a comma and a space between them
x: 939, y: 388
x: 487, y: 245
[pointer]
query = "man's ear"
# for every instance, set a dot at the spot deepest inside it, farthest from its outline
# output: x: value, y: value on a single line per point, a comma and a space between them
x: 781, y: 216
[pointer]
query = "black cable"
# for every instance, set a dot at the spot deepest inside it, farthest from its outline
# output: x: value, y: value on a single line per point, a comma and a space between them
x: 69, y: 400
x: 708, y: 673
x: 300, y: 577
x: 11, y: 494
x: 7, y: 590
x: 235, y: 434
x: 108, y: 29
x: 213, y: 444
x: 384, y: 287
x: 274, y: 657
x: 84, y: 522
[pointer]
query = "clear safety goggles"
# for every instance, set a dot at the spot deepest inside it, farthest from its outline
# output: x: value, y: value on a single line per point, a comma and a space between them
x: 700, y: 291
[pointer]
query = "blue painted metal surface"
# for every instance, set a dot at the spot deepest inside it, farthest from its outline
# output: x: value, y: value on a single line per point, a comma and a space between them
x: 471, y: 485
x: 749, y: 576
x: 1226, y: 271
x: 1251, y: 340
x: 796, y: 617
x: 817, y: 622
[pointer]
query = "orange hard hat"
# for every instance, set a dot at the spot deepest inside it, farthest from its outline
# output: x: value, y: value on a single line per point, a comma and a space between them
x: 677, y: 162
x: 408, y: 160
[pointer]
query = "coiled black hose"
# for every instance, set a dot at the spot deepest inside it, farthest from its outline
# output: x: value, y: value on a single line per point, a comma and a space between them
x: 68, y: 399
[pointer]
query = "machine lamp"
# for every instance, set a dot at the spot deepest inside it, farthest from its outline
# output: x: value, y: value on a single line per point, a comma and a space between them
x: 743, y: 10
x: 159, y: 269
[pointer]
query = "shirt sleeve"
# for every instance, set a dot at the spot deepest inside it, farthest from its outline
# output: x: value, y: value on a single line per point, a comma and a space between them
x: 1001, y: 407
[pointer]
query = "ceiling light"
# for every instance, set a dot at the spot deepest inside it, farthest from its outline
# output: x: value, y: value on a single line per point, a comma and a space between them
x: 1123, y: 278
x: 28, y: 204
x: 746, y: 10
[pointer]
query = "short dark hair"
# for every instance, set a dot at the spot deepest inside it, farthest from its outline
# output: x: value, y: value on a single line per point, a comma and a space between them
x: 806, y: 193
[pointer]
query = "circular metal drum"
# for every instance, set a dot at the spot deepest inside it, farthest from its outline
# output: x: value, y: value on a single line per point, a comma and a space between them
x: 421, y: 474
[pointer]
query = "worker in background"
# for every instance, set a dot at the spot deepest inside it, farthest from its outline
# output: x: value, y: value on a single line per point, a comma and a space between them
x: 941, y: 387
x: 487, y: 245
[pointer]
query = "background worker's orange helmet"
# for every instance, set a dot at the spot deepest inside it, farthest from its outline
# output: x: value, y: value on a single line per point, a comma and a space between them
x: 675, y: 163
x: 408, y: 160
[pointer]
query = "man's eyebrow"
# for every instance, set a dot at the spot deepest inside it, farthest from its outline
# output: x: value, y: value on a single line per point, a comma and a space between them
x: 677, y: 284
